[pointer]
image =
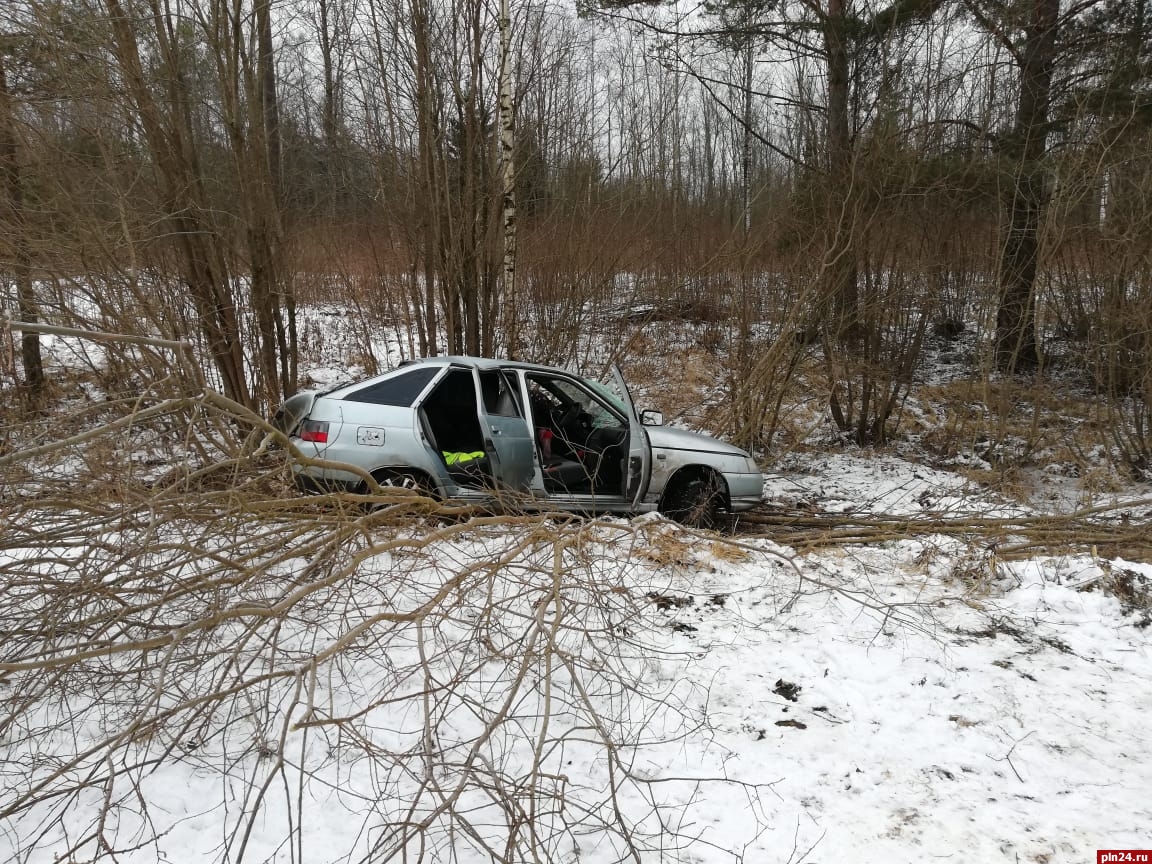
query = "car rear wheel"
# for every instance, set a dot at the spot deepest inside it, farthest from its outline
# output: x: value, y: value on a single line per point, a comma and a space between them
x: 400, y: 479
x: 695, y: 500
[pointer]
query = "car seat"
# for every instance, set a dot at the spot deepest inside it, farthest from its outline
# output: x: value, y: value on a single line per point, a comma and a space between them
x: 566, y: 474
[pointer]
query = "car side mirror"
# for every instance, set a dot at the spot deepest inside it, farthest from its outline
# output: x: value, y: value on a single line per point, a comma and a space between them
x: 648, y: 417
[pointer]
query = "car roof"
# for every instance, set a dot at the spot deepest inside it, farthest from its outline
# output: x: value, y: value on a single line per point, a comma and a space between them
x: 486, y: 363
x: 339, y: 390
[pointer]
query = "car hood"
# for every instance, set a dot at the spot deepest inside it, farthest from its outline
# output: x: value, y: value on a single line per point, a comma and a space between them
x: 681, y: 439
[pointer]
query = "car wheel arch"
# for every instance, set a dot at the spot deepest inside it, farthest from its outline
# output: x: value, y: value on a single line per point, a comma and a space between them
x: 681, y: 483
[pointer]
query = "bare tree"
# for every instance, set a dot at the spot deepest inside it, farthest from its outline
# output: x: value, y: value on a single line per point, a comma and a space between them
x: 14, y: 225
x: 238, y: 39
x: 1026, y: 194
x: 284, y: 292
x: 167, y: 128
x: 508, y: 177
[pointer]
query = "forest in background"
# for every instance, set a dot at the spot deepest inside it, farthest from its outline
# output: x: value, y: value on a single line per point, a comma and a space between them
x: 804, y: 225
x: 819, y: 184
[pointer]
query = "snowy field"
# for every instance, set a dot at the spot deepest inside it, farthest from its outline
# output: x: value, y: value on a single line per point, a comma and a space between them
x: 254, y: 677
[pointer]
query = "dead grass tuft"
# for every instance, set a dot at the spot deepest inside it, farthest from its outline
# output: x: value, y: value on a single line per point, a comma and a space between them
x: 1132, y: 589
x: 976, y: 571
x: 666, y: 549
x: 729, y: 552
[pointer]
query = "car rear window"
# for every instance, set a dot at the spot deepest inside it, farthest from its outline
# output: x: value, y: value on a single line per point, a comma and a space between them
x: 401, y: 390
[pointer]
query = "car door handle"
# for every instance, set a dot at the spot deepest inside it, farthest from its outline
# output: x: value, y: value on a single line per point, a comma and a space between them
x: 496, y: 431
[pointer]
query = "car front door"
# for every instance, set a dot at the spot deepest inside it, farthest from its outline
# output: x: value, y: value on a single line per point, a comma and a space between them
x: 507, y: 436
x: 639, y: 468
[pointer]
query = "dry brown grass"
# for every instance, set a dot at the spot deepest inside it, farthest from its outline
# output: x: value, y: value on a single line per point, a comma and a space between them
x: 1024, y: 433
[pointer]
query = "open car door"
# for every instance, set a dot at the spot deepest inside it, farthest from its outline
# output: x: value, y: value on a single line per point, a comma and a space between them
x: 638, y: 471
x: 507, y: 439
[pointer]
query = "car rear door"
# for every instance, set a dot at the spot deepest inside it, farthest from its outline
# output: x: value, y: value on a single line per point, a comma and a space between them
x: 507, y: 436
x: 639, y: 468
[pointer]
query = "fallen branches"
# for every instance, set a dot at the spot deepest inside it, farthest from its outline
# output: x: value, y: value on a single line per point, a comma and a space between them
x: 449, y: 686
x: 1102, y: 528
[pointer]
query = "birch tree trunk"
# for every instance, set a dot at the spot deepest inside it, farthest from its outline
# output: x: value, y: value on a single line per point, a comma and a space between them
x: 508, y: 180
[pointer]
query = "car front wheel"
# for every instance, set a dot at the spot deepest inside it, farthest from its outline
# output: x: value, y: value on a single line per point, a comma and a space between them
x: 695, y: 500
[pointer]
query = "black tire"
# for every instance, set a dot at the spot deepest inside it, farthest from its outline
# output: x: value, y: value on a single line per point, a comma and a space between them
x: 401, y: 479
x: 696, y: 500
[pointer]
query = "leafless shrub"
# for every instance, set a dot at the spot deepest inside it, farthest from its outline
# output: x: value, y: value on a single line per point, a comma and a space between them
x: 1130, y: 587
x: 1121, y: 362
x: 867, y: 385
x: 767, y: 357
x: 1102, y: 306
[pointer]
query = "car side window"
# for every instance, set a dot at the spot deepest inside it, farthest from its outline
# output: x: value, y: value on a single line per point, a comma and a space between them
x: 400, y: 390
x: 500, y: 398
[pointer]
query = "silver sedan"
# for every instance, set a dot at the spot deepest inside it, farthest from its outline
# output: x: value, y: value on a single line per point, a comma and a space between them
x: 531, y: 436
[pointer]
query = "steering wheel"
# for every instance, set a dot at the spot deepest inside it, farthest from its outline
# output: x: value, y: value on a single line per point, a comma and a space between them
x: 576, y: 423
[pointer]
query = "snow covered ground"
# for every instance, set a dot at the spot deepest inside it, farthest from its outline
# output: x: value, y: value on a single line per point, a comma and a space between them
x: 630, y: 688
x: 227, y: 678
x: 902, y: 715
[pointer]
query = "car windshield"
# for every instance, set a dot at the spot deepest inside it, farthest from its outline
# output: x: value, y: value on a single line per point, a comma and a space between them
x: 609, y: 394
x: 587, y: 401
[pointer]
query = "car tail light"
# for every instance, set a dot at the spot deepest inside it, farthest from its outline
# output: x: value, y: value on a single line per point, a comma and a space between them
x: 315, y: 431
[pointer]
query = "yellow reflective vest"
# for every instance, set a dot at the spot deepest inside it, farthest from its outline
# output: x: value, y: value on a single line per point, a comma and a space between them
x: 459, y: 458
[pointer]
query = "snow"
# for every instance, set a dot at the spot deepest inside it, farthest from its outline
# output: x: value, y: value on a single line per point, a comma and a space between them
x: 957, y: 727
x: 333, y: 686
x: 878, y: 484
x: 909, y: 699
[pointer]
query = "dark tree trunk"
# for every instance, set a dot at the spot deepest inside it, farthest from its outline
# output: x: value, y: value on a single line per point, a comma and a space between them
x: 427, y: 132
x: 284, y: 299
x: 12, y: 214
x: 1027, y: 195
x: 840, y: 254
x: 169, y: 137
